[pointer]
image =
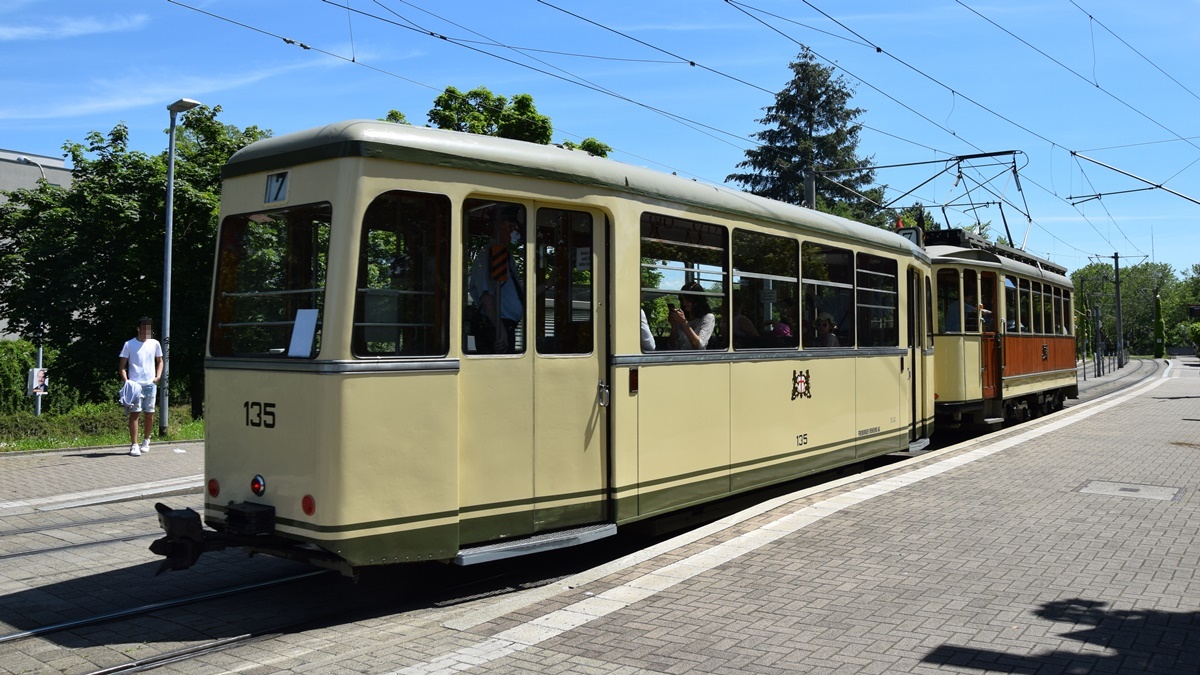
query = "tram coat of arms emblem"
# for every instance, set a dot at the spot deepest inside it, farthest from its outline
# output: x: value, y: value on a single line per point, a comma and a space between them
x: 801, y: 384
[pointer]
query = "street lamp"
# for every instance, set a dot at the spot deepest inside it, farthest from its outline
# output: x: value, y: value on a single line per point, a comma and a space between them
x: 175, y: 108
x: 25, y: 160
x: 37, y: 405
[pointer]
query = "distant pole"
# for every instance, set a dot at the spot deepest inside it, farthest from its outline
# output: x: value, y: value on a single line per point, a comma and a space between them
x: 175, y: 108
x: 37, y: 406
x: 1120, y: 330
x: 1159, y: 329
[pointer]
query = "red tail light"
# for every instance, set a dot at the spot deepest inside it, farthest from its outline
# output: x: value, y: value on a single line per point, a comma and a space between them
x: 214, y: 488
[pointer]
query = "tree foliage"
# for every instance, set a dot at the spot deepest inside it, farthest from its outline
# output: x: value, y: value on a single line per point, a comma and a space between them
x: 479, y: 111
x: 589, y: 145
x: 1095, y: 290
x: 811, y: 127
x: 87, y: 260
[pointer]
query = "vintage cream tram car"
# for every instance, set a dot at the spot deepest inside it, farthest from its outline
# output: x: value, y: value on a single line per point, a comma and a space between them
x: 368, y: 404
x: 1004, y: 334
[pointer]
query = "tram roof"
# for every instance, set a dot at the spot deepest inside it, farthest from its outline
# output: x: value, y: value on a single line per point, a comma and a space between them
x: 423, y: 145
x: 957, y: 255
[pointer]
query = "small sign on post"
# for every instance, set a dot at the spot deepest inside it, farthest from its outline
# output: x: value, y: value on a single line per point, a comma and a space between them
x: 38, y: 383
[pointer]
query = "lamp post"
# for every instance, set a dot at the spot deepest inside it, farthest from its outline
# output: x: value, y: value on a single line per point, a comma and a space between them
x: 25, y: 160
x: 175, y: 108
x: 37, y: 400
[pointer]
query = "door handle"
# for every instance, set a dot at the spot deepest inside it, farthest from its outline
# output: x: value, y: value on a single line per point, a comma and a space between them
x: 603, y: 394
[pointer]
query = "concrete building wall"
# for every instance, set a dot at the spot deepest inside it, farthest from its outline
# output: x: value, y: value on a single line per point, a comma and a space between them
x: 24, y: 170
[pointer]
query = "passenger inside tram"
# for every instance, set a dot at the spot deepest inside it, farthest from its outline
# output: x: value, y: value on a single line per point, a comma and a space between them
x: 693, y: 322
x: 825, y: 337
x: 648, y: 343
x: 745, y: 333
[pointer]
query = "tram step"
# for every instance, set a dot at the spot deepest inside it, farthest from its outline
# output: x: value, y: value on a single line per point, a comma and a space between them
x: 535, y: 544
x: 917, y: 447
x: 993, y: 420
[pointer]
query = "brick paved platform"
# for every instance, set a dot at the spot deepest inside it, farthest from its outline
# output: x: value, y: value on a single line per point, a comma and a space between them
x: 1067, y: 545
x: 1064, y: 546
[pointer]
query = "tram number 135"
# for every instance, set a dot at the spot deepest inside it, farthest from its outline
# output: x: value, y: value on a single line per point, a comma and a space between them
x: 259, y: 414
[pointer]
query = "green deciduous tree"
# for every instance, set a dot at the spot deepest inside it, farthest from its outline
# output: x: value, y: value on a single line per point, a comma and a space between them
x: 87, y: 260
x: 589, y: 145
x: 479, y: 111
x: 1094, y: 285
x: 811, y: 127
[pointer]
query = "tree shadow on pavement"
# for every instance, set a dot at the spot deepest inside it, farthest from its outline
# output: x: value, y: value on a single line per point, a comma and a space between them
x: 1134, y: 641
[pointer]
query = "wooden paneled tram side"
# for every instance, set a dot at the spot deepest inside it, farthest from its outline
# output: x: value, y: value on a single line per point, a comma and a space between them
x: 1004, y: 334
x: 357, y: 415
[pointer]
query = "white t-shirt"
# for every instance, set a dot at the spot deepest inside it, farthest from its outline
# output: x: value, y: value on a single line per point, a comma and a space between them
x: 141, y: 357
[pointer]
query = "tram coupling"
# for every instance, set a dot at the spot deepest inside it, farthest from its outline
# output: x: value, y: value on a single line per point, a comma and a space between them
x: 186, y: 538
x: 248, y: 526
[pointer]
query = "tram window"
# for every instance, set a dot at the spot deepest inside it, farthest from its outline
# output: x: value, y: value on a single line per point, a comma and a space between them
x: 402, y: 301
x: 1058, y: 312
x: 878, y: 302
x: 928, y: 312
x: 493, y: 267
x: 1026, y: 318
x: 970, y: 301
x: 948, y: 307
x: 987, y: 301
x: 563, y: 312
x: 766, y: 270
x: 1012, y: 308
x: 1038, y: 308
x: 1068, y: 314
x: 675, y: 254
x: 1047, y: 309
x: 270, y: 266
x: 827, y: 305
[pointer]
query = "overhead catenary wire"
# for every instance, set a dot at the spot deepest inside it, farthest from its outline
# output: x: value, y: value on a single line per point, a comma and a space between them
x: 879, y: 49
x: 382, y: 71
x: 1133, y: 49
x: 745, y: 83
x: 1062, y: 65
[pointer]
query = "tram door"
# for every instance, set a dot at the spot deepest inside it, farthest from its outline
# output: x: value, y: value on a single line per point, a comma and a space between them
x: 570, y: 395
x: 990, y: 345
x: 532, y: 427
x: 915, y: 373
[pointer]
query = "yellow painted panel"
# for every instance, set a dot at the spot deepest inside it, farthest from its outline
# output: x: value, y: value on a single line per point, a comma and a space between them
x: 496, y: 434
x: 972, y: 365
x: 948, y: 369
x: 683, y: 415
x: 571, y: 426
x: 768, y: 422
x: 283, y: 426
x: 880, y: 384
x: 399, y: 440
x: 1034, y: 383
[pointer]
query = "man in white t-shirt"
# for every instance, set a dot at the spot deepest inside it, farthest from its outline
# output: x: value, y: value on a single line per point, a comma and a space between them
x: 141, y: 367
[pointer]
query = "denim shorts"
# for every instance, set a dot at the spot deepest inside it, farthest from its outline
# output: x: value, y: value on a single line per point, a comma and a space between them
x: 149, y: 394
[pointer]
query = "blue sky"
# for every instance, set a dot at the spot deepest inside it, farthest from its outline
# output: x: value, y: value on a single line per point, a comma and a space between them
x: 1112, y: 81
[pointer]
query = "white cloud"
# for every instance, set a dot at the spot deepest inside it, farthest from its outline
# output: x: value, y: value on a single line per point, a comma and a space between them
x: 62, y: 28
x: 140, y: 89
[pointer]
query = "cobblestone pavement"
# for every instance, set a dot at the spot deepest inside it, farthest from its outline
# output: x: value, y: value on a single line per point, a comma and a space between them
x: 1066, y: 545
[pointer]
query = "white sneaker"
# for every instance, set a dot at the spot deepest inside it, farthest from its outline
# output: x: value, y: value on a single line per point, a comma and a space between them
x: 145, y: 447
x: 134, y: 451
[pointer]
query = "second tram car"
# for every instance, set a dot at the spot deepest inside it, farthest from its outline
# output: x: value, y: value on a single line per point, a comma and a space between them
x: 1004, y: 334
x: 431, y: 345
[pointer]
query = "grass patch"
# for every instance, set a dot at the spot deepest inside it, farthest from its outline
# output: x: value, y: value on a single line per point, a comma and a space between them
x: 85, y: 426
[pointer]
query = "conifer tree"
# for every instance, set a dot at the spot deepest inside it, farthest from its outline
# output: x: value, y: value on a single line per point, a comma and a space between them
x: 811, y: 126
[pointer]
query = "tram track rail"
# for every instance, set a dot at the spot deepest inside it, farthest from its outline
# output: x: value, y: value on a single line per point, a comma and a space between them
x: 78, y: 545
x: 84, y: 523
x: 155, y: 607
